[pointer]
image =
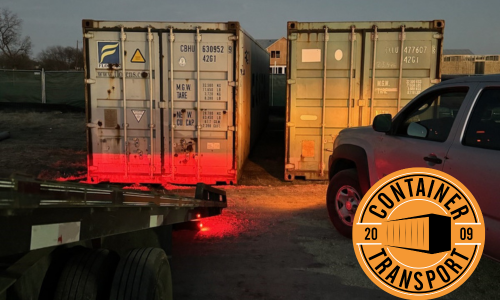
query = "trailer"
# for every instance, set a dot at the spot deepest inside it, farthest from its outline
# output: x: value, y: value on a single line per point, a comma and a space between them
x: 79, y: 241
x: 343, y: 74
x: 172, y: 102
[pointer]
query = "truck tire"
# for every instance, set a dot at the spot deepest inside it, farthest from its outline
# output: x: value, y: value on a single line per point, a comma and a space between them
x: 342, y: 199
x: 87, y: 275
x: 143, y: 275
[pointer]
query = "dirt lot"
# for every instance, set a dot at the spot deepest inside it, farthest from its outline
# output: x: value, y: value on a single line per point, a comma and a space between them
x: 273, y: 242
x: 45, y: 145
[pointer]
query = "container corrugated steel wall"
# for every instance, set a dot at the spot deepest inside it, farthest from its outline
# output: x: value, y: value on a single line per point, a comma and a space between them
x: 160, y: 124
x: 331, y: 86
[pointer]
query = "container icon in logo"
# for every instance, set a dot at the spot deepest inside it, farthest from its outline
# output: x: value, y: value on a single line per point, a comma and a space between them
x: 427, y: 233
x: 108, y: 54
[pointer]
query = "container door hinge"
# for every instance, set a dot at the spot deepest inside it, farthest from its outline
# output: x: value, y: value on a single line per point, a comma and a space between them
x: 233, y: 38
x: 290, y: 166
x: 163, y: 104
x: 290, y: 124
x: 88, y: 35
x: 290, y: 81
x: 231, y: 83
x: 89, y: 81
x: 438, y: 36
x: 402, y: 36
x: 231, y: 128
x: 434, y: 81
x: 292, y: 37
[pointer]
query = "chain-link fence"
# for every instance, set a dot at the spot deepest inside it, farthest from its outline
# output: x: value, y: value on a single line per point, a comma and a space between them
x: 39, y: 86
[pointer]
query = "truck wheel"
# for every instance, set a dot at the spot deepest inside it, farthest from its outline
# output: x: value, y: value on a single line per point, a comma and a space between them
x: 87, y: 275
x: 143, y: 275
x: 342, y: 200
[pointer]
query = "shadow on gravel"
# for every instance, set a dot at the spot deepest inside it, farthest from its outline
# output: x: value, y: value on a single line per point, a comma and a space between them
x: 266, y: 162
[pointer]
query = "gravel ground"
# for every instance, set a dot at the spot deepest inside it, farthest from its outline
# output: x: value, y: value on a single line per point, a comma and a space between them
x: 277, y: 243
x: 44, y: 145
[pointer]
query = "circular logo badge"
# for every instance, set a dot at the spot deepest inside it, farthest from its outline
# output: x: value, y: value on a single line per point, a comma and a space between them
x: 182, y: 61
x: 418, y: 233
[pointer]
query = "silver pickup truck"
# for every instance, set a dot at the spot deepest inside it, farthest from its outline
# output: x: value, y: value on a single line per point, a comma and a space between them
x: 453, y: 126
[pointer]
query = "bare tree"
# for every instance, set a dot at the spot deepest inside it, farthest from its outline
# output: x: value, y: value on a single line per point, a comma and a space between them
x: 14, y: 48
x: 58, y: 58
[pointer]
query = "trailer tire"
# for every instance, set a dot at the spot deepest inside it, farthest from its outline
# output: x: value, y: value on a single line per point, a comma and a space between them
x: 87, y: 275
x: 342, y: 199
x: 143, y: 275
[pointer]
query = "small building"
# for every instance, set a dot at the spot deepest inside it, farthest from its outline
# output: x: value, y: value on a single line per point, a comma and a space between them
x: 465, y: 62
x: 277, y: 50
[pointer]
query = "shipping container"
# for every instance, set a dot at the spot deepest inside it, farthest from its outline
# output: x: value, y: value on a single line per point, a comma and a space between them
x: 428, y: 233
x: 172, y: 102
x: 343, y: 74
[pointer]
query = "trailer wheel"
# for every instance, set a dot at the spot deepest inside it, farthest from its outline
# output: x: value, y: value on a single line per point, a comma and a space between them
x: 87, y: 275
x: 143, y: 275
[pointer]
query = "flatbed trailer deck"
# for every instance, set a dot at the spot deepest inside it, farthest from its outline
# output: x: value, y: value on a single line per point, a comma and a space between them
x: 38, y: 217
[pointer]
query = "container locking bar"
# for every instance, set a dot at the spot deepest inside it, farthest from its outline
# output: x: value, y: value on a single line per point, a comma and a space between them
x: 349, y: 104
x: 151, y: 108
x: 374, y: 65
x: 402, y: 38
x: 323, y: 118
x: 123, y: 37
x: 198, y: 85
x: 172, y: 124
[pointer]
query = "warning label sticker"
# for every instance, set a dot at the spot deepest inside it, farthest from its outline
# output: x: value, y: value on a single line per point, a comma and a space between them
x: 138, y: 57
x: 138, y: 114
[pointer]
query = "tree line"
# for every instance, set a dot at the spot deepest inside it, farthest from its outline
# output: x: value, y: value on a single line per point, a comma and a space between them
x: 16, y: 50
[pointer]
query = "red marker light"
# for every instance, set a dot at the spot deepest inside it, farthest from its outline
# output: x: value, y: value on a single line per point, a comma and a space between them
x: 198, y: 216
x: 201, y: 225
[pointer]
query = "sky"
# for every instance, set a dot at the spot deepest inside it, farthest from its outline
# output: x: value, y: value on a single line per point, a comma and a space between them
x: 473, y: 25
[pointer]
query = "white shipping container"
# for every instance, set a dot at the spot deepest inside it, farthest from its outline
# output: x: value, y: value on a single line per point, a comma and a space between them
x: 191, y: 104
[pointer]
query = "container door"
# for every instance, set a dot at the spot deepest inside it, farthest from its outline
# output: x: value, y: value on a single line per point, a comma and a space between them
x: 124, y: 92
x: 417, y: 57
x: 321, y: 100
x: 198, y: 138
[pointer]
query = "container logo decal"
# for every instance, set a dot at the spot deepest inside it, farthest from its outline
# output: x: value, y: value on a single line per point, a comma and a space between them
x: 138, y: 114
x: 137, y: 57
x: 182, y: 61
x: 418, y: 233
x: 108, y: 54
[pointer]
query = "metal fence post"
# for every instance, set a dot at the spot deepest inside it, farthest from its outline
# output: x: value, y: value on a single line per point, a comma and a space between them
x: 44, y: 99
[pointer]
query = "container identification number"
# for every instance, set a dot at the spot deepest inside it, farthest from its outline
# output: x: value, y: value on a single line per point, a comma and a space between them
x: 407, y: 50
x: 212, y: 49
